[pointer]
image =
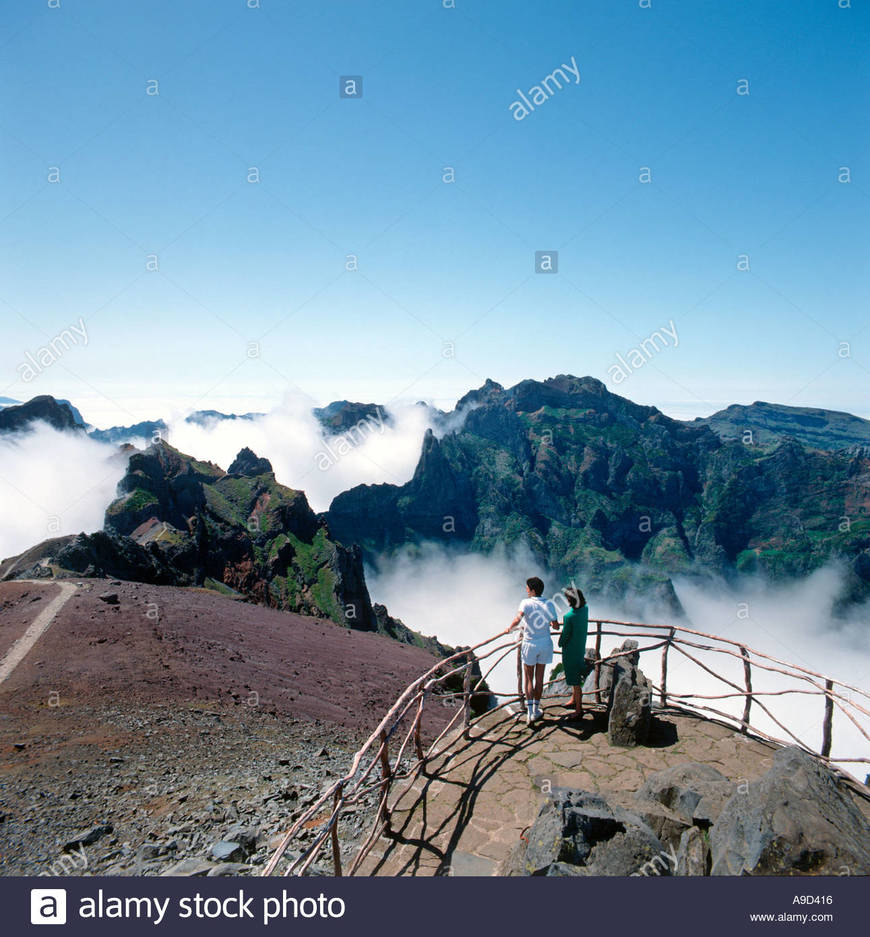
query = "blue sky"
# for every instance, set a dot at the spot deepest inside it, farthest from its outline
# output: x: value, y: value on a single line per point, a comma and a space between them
x: 251, y: 296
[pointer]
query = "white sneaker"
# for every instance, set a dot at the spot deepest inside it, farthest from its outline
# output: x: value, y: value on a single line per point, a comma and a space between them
x: 537, y: 713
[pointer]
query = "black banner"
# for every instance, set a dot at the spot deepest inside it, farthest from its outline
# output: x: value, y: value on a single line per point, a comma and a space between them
x: 435, y: 906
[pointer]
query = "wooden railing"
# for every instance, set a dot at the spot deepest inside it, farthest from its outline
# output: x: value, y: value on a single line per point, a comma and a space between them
x: 401, y: 729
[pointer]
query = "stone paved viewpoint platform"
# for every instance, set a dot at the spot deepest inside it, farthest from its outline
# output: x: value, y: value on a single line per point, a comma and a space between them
x: 465, y: 814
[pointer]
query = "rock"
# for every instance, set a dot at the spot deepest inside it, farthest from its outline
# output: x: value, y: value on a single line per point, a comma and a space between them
x: 693, y: 853
x: 148, y: 851
x: 630, y: 711
x: 695, y: 792
x: 555, y: 688
x: 559, y: 686
x: 630, y: 702
x: 229, y: 868
x: 110, y: 598
x: 666, y: 824
x: 563, y: 869
x: 189, y: 867
x: 581, y: 831
x: 87, y: 837
x: 246, y: 837
x: 794, y: 820
x: 228, y: 851
x: 626, y: 692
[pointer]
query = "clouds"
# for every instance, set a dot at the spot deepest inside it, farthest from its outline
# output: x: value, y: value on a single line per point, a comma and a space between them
x: 793, y: 622
x: 375, y: 450
x: 464, y: 599
x: 53, y: 483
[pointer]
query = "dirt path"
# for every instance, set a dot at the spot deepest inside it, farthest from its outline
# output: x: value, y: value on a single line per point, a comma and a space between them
x: 37, y: 628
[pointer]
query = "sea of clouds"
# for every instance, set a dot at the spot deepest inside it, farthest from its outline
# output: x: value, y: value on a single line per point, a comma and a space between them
x: 54, y: 483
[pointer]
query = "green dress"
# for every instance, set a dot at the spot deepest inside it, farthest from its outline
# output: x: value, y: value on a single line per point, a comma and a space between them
x: 572, y: 640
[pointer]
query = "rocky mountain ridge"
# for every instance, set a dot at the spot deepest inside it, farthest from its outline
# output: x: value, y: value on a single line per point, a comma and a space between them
x: 596, y: 485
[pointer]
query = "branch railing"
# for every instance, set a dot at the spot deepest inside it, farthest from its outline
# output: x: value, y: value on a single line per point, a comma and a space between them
x: 458, y: 681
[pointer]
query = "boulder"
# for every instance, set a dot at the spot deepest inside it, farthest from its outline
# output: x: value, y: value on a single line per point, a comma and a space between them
x: 693, y: 853
x: 228, y: 851
x: 245, y: 836
x: 87, y: 837
x: 694, y: 792
x: 559, y: 686
x: 579, y: 833
x: 667, y: 825
x: 148, y: 851
x: 628, y: 695
x: 630, y: 710
x: 796, y: 819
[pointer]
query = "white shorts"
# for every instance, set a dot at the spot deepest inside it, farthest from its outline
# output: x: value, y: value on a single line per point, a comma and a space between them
x: 533, y: 653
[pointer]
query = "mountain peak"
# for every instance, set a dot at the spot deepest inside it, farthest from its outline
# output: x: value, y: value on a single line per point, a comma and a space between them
x: 249, y: 464
x: 56, y: 413
x: 487, y: 391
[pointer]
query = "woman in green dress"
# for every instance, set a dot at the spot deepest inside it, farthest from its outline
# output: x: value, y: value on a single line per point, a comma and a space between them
x: 572, y: 640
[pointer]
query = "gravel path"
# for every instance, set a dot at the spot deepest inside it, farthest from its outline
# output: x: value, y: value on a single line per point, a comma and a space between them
x: 19, y: 650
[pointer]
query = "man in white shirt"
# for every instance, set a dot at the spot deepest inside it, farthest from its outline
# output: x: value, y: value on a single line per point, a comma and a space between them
x: 536, y: 650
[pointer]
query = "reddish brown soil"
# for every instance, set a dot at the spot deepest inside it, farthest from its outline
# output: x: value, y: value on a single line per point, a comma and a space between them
x: 163, y: 644
x: 175, y: 714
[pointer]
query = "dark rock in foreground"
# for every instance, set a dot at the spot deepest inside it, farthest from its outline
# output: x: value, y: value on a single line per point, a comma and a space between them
x: 796, y: 820
x: 578, y: 833
x: 695, y: 792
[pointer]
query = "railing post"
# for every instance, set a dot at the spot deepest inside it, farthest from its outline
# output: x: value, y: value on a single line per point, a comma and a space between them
x: 667, y: 647
x: 336, y: 849
x: 418, y: 741
x: 829, y: 719
x: 520, y: 690
x: 386, y: 775
x: 747, y: 676
x: 466, y: 694
x: 598, y: 662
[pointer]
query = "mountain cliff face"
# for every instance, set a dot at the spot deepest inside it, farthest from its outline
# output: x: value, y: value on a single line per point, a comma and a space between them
x: 599, y: 487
